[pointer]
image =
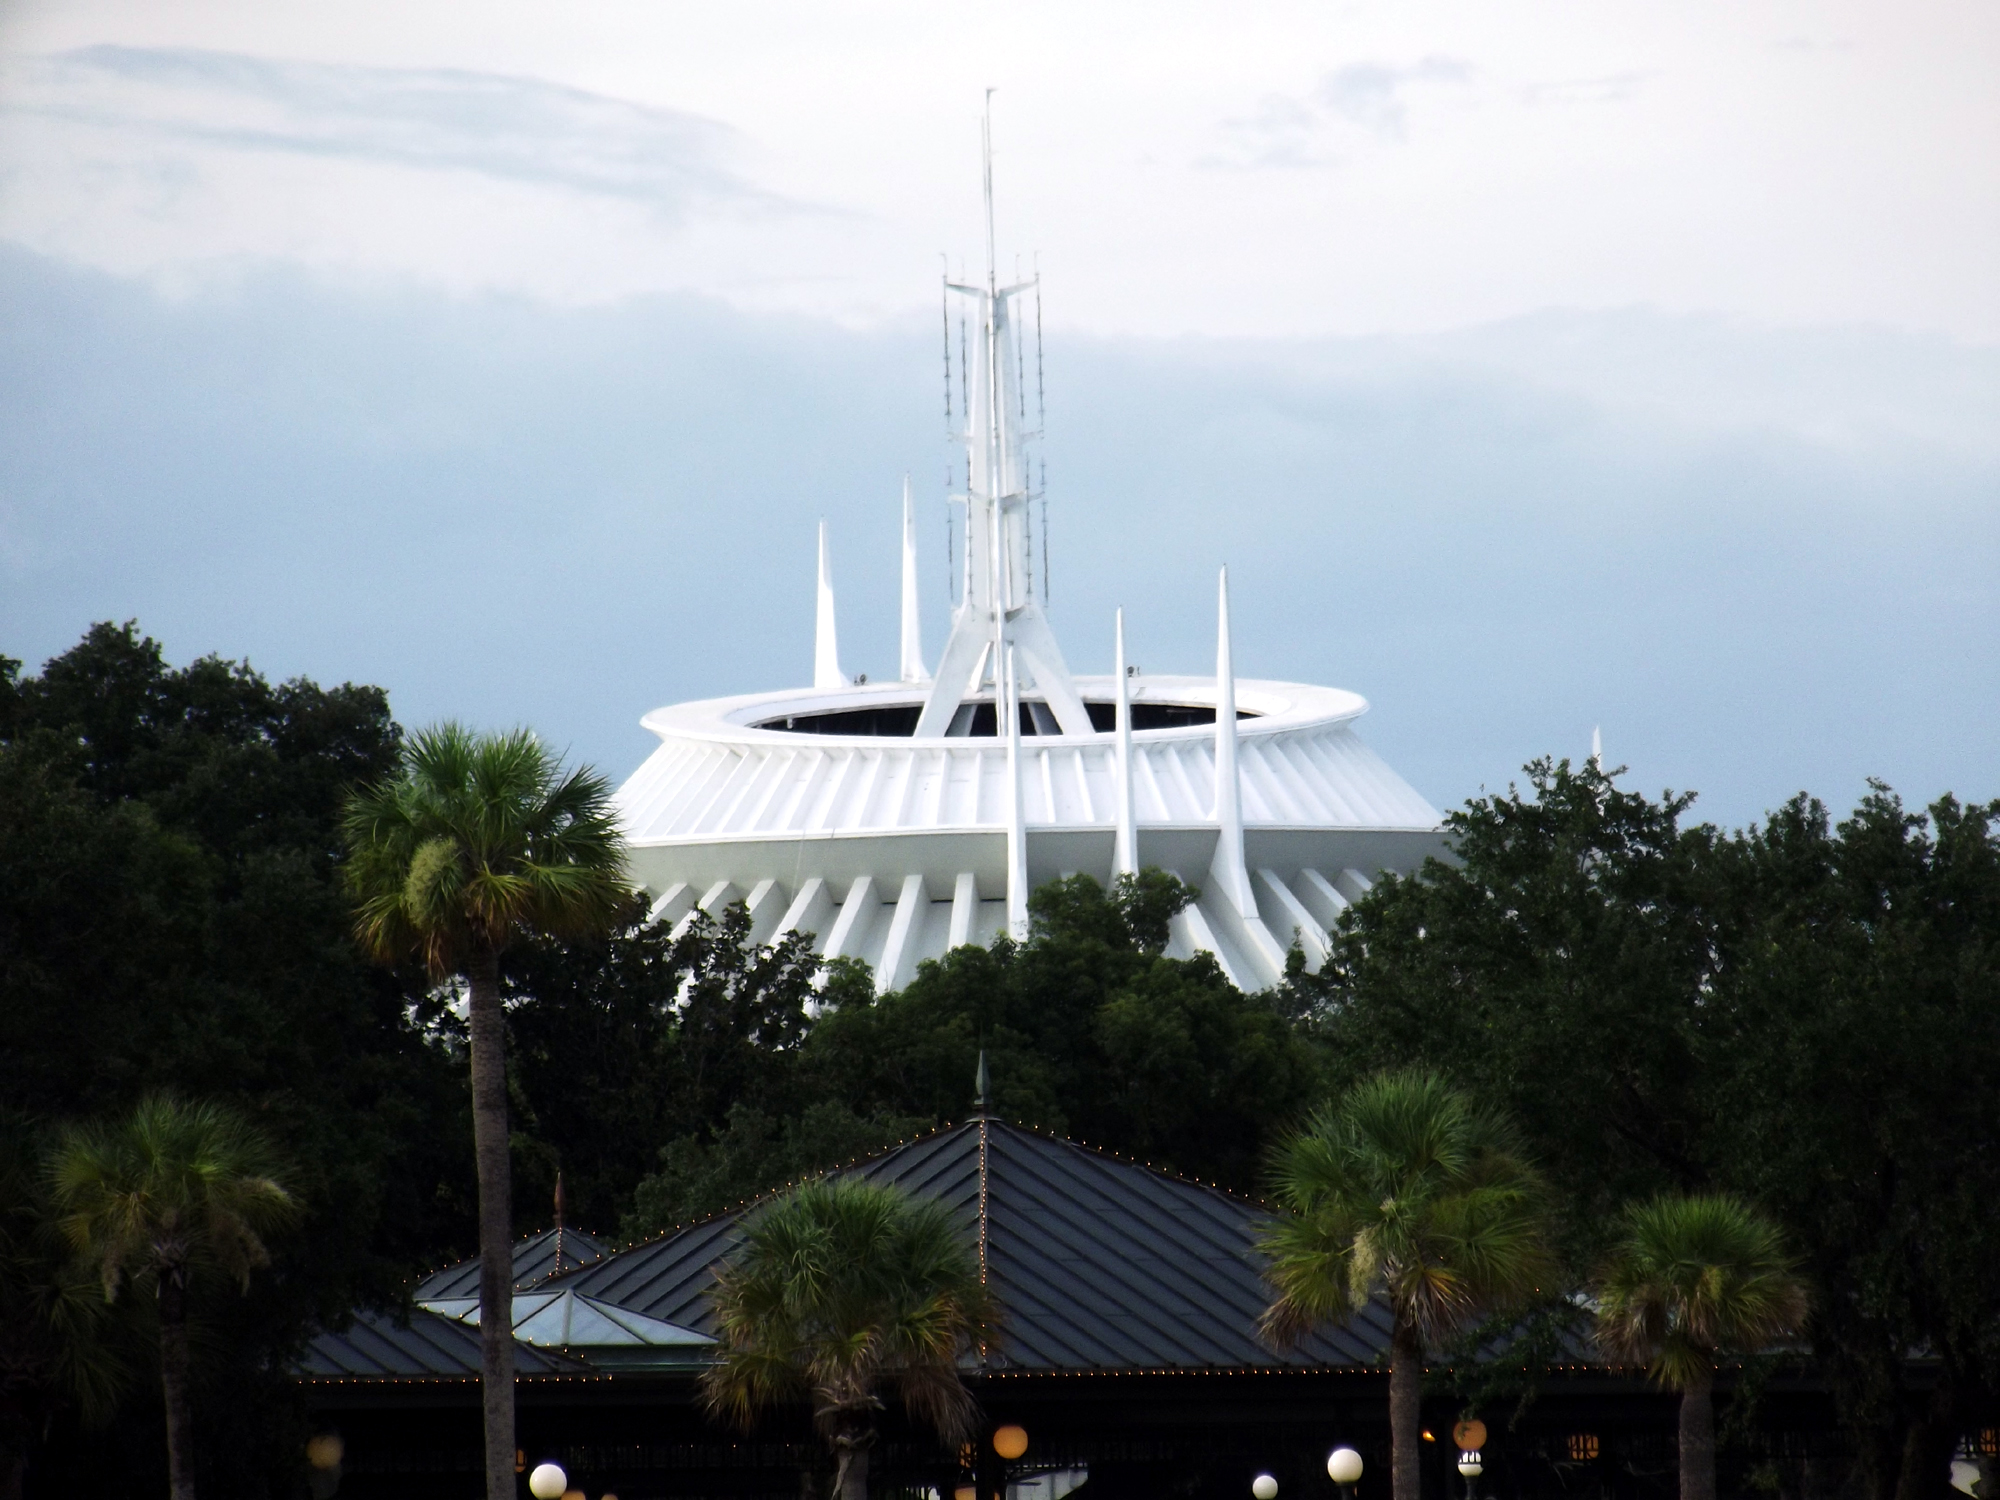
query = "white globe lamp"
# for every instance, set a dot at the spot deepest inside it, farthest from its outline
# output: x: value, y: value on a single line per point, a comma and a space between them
x: 548, y: 1482
x: 1343, y: 1466
x: 1265, y: 1487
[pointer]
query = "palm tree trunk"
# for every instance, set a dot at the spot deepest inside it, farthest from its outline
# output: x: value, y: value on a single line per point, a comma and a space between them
x: 174, y: 1383
x: 1698, y: 1438
x: 1406, y: 1395
x: 851, y: 1480
x: 496, y: 1223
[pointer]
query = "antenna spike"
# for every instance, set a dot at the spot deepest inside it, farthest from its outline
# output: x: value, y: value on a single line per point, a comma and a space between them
x: 827, y: 675
x: 913, y: 645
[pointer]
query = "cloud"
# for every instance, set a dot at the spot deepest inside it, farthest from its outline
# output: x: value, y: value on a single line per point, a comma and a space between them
x: 1372, y: 97
x: 508, y: 128
x: 1761, y: 558
x: 1608, y: 88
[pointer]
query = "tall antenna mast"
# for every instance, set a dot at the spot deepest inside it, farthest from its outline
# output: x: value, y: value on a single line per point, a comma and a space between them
x: 999, y: 632
x: 986, y: 145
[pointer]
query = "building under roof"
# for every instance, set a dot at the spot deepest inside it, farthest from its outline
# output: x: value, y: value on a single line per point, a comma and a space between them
x: 1129, y: 1351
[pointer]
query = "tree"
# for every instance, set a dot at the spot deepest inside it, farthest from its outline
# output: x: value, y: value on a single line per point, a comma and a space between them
x: 1407, y: 1190
x: 844, y: 1288
x: 478, y: 841
x: 172, y: 919
x: 1090, y: 1030
x: 1690, y: 1277
x: 56, y: 1342
x: 176, y: 1191
x: 661, y: 1038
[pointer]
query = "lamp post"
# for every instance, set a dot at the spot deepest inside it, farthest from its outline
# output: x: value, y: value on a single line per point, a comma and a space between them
x: 1471, y: 1467
x: 1343, y: 1467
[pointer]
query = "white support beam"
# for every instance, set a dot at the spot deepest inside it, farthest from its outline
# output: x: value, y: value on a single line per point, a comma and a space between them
x: 899, y: 949
x: 964, y: 909
x: 1353, y: 884
x: 767, y: 905
x: 1321, y: 898
x: 1292, y: 916
x: 673, y: 903
x: 811, y: 910
x: 856, y: 919
x: 712, y: 901
x: 1258, y: 947
x: 1200, y: 937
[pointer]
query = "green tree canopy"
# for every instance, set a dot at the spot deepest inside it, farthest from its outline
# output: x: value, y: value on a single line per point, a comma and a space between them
x: 1688, y: 1278
x: 844, y: 1289
x: 475, y: 843
x: 176, y: 1191
x: 171, y: 919
x: 1407, y: 1190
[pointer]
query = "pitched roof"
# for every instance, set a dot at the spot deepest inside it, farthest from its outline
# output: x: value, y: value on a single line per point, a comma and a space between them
x: 373, y: 1347
x: 1097, y: 1263
x: 537, y: 1258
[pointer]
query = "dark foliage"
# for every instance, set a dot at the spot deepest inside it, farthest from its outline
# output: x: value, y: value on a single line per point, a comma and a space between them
x: 169, y: 918
x: 1805, y: 1013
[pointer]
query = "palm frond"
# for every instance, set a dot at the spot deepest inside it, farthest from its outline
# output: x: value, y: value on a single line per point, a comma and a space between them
x: 842, y: 1290
x: 1407, y: 1190
x: 1692, y: 1276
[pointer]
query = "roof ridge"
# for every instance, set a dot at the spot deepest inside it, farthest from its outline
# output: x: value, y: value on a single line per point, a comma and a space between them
x: 1246, y: 1199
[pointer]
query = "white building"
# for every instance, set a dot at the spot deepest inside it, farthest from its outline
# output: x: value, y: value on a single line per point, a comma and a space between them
x: 897, y: 820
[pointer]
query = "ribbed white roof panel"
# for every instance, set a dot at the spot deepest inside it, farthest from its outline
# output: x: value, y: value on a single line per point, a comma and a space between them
x: 717, y: 775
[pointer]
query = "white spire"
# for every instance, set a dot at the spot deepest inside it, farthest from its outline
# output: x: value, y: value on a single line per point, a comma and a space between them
x: 827, y: 675
x: 1596, y: 748
x: 1017, y: 831
x: 1002, y: 605
x: 1227, y: 870
x: 913, y: 640
x: 1125, y: 853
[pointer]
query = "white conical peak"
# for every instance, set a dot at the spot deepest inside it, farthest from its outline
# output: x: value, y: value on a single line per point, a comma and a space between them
x: 1125, y: 853
x: 827, y: 675
x: 1596, y: 748
x: 913, y: 641
x: 1228, y: 870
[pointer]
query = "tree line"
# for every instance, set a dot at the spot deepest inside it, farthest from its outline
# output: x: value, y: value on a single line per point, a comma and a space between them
x: 1804, y: 1014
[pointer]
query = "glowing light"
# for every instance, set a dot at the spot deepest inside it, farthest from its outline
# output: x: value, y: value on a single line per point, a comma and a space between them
x: 1343, y: 1466
x: 548, y: 1482
x: 1010, y: 1442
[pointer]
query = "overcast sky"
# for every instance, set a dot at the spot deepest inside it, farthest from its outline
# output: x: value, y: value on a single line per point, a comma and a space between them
x: 1533, y: 366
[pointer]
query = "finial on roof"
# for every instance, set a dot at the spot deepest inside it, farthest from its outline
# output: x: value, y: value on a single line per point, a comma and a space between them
x: 561, y: 1213
x: 984, y: 1082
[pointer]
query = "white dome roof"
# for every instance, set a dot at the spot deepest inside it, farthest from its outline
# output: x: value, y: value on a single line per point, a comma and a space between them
x: 733, y: 805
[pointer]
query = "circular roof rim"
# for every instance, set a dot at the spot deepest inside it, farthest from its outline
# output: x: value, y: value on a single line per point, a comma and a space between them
x: 1275, y: 706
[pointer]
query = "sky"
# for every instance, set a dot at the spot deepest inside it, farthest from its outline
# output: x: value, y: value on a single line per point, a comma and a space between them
x: 1533, y: 368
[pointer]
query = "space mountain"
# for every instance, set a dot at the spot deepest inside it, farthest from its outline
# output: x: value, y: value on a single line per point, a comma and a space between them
x: 896, y: 820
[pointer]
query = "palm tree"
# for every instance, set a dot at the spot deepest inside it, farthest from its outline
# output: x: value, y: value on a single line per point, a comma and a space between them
x: 1403, y: 1189
x: 57, y: 1344
x: 842, y: 1289
x: 176, y: 1191
x: 478, y: 840
x: 1688, y: 1278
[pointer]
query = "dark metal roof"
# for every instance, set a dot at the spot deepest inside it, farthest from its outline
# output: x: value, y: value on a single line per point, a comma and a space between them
x: 373, y: 1347
x: 1097, y: 1263
x: 537, y: 1258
